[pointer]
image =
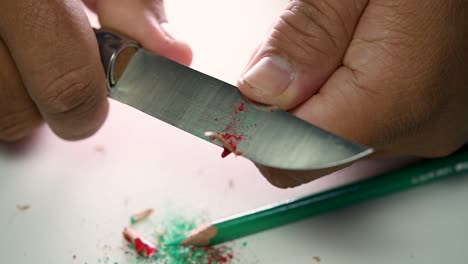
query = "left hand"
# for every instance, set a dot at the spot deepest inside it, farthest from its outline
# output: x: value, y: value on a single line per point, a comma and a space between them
x: 144, y: 21
x: 49, y: 61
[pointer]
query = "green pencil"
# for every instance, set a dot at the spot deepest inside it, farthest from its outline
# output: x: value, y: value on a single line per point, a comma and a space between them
x: 289, y: 211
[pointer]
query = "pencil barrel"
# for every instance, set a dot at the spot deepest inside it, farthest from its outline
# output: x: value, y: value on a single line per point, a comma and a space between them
x: 290, y: 211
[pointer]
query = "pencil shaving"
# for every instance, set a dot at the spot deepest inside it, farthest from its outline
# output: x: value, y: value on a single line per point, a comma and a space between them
x: 220, y: 138
x: 141, y: 215
x: 129, y: 234
x: 143, y: 246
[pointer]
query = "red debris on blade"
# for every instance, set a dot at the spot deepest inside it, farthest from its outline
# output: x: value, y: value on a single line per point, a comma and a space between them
x: 240, y: 107
x: 225, y: 153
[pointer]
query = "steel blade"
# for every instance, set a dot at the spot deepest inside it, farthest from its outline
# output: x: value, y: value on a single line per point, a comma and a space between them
x: 197, y: 103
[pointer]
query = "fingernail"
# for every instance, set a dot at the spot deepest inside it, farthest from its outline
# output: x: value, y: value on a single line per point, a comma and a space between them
x: 270, y: 75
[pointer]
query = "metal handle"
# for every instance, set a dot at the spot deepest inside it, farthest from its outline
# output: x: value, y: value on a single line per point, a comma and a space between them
x: 116, y: 51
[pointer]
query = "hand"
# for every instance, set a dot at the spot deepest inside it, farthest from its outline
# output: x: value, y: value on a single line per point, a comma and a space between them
x: 391, y: 74
x: 50, y: 66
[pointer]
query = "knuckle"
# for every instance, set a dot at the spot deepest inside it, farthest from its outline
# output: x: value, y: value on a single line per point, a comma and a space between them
x: 16, y: 126
x: 73, y: 90
x: 308, y: 28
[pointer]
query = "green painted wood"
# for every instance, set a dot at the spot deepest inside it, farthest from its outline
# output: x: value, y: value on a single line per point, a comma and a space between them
x: 293, y: 210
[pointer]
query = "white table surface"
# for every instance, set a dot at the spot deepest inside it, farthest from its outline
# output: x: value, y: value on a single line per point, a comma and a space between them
x: 82, y: 193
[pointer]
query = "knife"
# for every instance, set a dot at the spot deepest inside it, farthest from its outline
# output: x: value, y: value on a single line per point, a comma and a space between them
x: 216, y: 111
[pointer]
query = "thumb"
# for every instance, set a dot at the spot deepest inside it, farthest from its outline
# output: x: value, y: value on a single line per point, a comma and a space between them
x: 146, y: 22
x: 304, y: 48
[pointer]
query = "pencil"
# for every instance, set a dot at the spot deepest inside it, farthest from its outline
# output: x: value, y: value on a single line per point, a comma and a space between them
x: 289, y: 211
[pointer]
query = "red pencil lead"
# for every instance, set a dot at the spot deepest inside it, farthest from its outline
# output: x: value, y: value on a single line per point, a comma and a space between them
x: 143, y: 246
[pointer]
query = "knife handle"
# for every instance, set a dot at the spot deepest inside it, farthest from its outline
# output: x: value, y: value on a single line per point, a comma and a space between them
x: 116, y: 51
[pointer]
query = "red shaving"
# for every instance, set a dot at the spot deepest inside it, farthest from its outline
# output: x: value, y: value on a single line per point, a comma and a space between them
x: 150, y: 248
x: 225, y: 153
x: 240, y: 107
x: 217, y: 255
x: 139, y: 245
x: 232, y: 140
x: 231, y: 133
x: 229, y: 137
x: 144, y: 247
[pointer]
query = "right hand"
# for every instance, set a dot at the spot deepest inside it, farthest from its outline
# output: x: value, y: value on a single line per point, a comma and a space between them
x: 50, y: 66
x: 391, y: 74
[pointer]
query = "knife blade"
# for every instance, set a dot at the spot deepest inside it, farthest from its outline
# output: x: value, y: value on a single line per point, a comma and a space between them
x: 198, y: 103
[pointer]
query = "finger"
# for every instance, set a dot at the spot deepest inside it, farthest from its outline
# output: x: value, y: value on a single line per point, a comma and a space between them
x: 18, y: 114
x: 57, y: 56
x: 283, y: 178
x: 146, y: 22
x: 304, y: 48
x: 386, y: 94
x: 277, y: 178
